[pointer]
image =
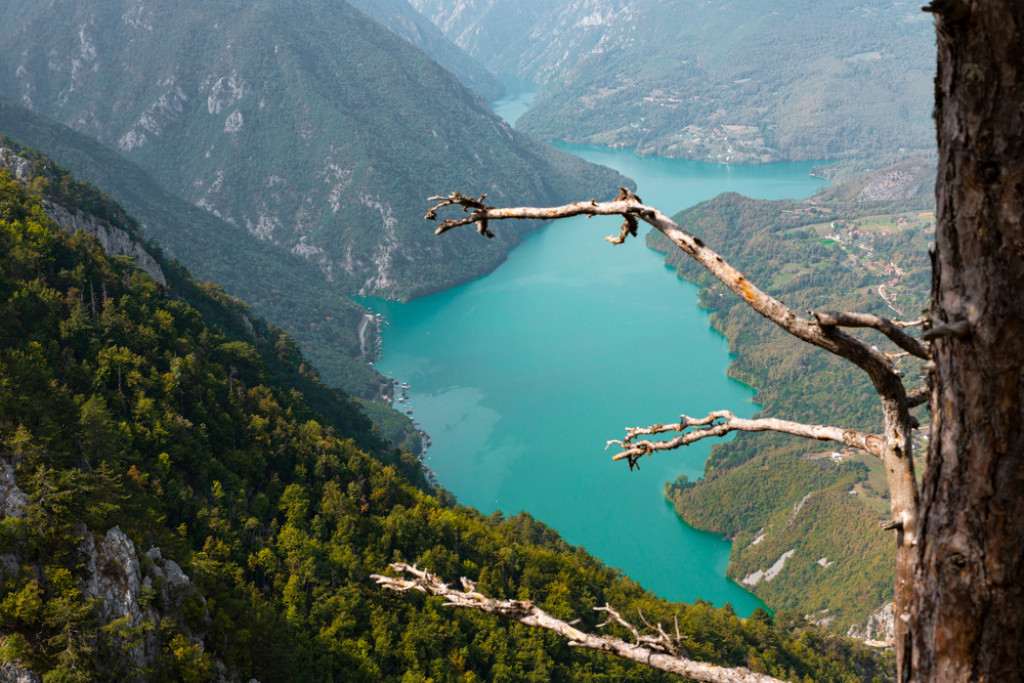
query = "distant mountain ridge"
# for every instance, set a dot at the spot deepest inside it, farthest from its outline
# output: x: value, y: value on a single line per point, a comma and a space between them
x: 400, y: 17
x: 498, y: 33
x: 723, y: 80
x: 307, y: 124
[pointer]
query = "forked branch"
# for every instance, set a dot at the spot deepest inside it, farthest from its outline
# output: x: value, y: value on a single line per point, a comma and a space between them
x: 918, y: 396
x: 624, y: 205
x: 893, y: 331
x: 659, y: 650
x: 475, y: 207
x: 722, y: 422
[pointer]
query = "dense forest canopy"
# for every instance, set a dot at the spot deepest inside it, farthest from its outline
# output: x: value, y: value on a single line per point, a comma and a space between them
x: 169, y: 419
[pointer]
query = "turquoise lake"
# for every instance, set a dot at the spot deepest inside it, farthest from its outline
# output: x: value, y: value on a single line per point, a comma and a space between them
x: 521, y: 376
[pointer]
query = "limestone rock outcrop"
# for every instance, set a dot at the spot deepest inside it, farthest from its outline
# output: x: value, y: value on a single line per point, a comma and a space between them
x: 115, y: 241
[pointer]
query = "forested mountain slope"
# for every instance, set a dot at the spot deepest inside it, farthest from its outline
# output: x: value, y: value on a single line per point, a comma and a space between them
x: 725, y: 80
x: 288, y: 289
x: 811, y: 509
x: 182, y: 500
x: 306, y: 124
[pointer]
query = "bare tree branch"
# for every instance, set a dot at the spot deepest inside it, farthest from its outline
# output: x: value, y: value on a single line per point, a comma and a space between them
x: 660, y: 652
x: 896, y: 443
x: 628, y: 205
x: 722, y: 422
x: 466, y: 203
x: 960, y: 328
x: 885, y: 326
x: 880, y: 644
x: 480, y: 213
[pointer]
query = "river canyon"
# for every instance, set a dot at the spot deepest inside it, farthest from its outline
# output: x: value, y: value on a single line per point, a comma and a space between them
x: 522, y: 376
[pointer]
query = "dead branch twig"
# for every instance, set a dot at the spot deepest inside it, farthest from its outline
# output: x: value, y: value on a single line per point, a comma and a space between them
x: 721, y: 422
x: 661, y: 651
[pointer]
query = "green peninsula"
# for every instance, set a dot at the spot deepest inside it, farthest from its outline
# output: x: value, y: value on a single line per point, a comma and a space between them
x: 809, y: 510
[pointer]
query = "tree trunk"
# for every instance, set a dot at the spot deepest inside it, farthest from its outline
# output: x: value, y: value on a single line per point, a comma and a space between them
x: 967, y: 617
x: 898, y: 460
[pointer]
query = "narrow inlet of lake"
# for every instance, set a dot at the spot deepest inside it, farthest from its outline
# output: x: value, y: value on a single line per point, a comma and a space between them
x: 521, y: 376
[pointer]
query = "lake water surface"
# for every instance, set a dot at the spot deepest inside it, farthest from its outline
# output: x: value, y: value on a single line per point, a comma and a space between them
x: 521, y: 376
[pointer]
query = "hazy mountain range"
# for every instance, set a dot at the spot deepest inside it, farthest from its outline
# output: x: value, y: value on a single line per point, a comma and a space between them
x: 306, y: 131
x: 307, y: 124
x: 725, y: 80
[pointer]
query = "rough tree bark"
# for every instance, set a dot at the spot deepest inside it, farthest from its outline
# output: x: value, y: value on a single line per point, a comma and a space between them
x: 967, y: 618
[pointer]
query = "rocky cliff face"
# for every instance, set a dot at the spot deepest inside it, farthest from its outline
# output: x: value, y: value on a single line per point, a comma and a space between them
x: 12, y: 499
x: 11, y: 672
x: 115, y: 241
x: 880, y: 626
x: 136, y: 590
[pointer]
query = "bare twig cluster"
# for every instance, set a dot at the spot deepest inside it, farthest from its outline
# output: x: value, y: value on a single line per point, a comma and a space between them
x: 475, y: 207
x: 656, y: 649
